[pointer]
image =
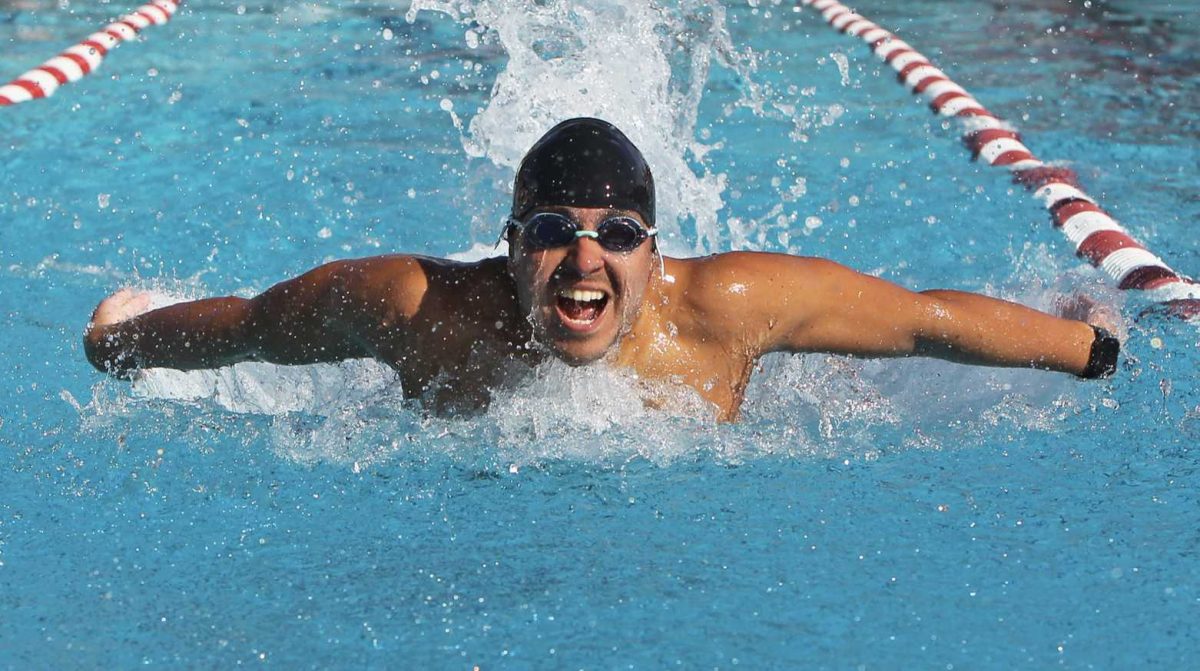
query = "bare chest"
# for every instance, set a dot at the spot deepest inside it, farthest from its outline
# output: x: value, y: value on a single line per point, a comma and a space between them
x: 716, y: 372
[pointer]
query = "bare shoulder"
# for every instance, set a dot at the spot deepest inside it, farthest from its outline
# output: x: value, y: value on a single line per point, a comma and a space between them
x: 397, y: 285
x: 382, y: 284
x: 742, y: 296
x: 739, y: 280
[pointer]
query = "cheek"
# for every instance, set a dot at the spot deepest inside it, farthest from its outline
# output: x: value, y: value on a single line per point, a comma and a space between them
x: 634, y: 279
x: 636, y: 273
x: 532, y: 274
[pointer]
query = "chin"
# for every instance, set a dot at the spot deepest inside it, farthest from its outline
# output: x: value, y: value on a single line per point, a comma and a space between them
x: 578, y: 344
x: 576, y: 353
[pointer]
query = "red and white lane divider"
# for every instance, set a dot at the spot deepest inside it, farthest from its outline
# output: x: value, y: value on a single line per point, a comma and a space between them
x: 81, y: 59
x: 1096, y: 235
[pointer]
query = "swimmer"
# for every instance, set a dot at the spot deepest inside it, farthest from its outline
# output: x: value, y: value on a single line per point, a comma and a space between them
x: 584, y: 281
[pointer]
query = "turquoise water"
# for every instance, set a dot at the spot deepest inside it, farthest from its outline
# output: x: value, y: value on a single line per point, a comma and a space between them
x: 863, y: 515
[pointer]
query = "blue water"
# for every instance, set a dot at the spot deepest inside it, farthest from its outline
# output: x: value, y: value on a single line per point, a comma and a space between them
x: 863, y: 515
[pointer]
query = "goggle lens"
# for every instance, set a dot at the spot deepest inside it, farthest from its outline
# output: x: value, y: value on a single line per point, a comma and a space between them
x: 546, y: 230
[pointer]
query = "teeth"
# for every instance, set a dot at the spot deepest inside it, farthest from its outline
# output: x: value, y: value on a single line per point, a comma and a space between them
x: 581, y: 295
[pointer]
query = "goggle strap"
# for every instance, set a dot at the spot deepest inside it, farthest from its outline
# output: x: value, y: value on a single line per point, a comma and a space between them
x: 509, y: 224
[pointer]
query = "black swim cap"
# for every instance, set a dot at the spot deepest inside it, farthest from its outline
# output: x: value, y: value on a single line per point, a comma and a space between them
x: 584, y: 163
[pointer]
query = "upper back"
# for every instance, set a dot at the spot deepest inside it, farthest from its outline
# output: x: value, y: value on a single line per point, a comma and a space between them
x: 449, y: 328
x: 428, y: 297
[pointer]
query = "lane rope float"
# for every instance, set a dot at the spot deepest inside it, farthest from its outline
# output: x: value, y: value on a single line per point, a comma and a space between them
x: 83, y: 58
x: 1097, y: 237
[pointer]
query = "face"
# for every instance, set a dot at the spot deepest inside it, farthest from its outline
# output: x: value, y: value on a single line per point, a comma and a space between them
x: 581, y: 298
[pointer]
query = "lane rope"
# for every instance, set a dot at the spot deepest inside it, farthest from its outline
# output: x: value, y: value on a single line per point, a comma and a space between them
x: 83, y: 58
x: 1097, y: 237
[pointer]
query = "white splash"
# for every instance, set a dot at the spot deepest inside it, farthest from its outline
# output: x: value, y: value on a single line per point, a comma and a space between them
x: 641, y: 65
x: 843, y: 66
x: 269, y: 389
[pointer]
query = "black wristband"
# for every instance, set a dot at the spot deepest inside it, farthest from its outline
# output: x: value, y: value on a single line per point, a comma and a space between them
x: 1102, y: 360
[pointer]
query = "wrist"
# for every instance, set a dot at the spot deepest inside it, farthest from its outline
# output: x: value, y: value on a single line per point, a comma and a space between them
x: 1102, y: 357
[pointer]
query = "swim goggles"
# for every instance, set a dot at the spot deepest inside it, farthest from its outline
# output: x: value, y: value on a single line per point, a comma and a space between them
x: 546, y: 230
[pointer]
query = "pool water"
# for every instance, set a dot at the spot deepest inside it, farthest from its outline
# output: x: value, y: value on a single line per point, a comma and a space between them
x: 864, y: 514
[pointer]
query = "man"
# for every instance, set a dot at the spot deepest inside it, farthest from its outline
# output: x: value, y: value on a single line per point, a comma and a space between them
x: 584, y: 282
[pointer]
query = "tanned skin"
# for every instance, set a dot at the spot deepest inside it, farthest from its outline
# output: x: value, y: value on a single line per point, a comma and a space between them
x: 455, y: 331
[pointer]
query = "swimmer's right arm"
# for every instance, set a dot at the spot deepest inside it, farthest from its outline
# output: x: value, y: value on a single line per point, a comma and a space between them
x: 316, y: 317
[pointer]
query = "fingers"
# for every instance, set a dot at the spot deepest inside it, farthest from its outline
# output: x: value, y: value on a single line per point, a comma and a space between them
x: 122, y: 305
x: 1087, y: 309
x: 138, y: 303
x: 1109, y: 320
x: 1076, y: 307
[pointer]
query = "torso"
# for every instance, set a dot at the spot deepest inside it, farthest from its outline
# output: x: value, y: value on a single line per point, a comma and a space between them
x: 468, y: 338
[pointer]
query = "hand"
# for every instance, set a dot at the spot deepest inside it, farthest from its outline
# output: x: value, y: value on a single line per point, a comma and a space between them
x: 120, y: 306
x: 1086, y: 309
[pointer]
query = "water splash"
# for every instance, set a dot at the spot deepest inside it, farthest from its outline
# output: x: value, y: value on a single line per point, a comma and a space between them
x: 642, y: 66
x: 269, y: 389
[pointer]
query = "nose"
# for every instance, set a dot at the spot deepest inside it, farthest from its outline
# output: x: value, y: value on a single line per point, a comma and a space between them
x: 586, y: 255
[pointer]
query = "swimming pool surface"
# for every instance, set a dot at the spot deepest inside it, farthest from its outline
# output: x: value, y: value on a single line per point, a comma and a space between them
x: 895, y: 514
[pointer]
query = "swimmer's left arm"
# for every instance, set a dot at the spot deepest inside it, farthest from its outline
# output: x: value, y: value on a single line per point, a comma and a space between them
x: 975, y: 329
x: 814, y: 305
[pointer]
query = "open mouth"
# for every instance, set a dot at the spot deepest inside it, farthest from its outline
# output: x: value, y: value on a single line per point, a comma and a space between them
x: 580, y: 309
